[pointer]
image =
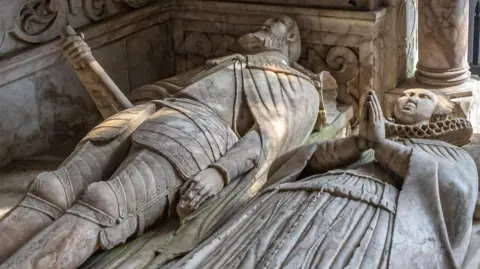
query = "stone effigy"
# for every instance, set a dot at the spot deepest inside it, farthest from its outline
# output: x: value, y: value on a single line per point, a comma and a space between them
x: 406, y: 203
x: 218, y: 126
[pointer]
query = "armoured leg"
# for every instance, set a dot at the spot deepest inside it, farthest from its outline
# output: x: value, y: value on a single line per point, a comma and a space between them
x: 143, y: 189
x: 52, y: 193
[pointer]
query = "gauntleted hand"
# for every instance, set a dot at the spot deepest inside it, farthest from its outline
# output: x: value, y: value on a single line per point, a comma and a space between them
x: 75, y: 50
x: 372, y: 124
x: 197, y: 190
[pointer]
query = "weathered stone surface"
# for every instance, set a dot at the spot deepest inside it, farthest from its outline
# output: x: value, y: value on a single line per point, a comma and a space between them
x: 42, y: 110
x: 43, y: 103
x: 149, y: 56
x: 114, y: 59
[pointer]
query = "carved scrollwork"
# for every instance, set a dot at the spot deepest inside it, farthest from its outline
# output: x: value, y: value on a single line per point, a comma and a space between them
x: 198, y: 47
x: 41, y: 20
x: 99, y: 9
x: 343, y: 65
x: 198, y: 44
x: 136, y: 3
x: 95, y: 9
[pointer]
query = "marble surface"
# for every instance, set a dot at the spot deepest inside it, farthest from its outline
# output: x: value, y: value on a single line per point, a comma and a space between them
x: 443, y: 42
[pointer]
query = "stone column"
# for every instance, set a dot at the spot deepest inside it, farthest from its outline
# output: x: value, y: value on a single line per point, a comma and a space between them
x: 443, y: 42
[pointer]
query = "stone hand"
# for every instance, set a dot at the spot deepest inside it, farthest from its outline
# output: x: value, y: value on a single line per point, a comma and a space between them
x: 75, y: 50
x: 197, y: 190
x: 372, y: 125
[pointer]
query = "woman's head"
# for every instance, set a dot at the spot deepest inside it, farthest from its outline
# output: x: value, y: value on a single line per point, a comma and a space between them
x: 421, y: 106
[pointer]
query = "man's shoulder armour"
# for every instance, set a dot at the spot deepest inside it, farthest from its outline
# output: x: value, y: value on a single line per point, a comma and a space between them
x: 119, y: 123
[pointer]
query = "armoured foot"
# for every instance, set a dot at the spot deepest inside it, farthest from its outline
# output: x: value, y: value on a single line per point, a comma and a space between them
x: 65, y: 244
x: 17, y: 227
x: 41, y: 206
x: 52, y: 193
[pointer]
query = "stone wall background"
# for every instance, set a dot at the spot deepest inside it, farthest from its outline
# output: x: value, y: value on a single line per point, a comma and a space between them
x: 43, y: 104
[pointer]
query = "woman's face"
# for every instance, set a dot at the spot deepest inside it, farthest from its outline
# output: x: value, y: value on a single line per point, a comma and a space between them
x: 415, y: 106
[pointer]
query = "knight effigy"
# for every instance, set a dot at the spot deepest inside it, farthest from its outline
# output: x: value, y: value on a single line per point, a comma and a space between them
x: 181, y: 142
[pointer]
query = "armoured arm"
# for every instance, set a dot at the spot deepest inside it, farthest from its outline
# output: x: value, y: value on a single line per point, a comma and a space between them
x: 242, y: 157
x: 333, y: 154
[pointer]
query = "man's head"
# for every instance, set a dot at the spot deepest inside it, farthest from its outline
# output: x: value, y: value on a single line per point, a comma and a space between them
x: 420, y: 106
x: 280, y: 34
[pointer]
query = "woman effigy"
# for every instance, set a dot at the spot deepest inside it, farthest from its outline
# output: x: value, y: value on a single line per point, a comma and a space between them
x: 326, y: 206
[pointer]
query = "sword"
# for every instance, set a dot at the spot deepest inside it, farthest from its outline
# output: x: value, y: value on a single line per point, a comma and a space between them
x: 108, y: 98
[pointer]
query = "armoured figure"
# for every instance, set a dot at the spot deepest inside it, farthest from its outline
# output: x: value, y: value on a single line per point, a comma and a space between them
x: 183, y: 141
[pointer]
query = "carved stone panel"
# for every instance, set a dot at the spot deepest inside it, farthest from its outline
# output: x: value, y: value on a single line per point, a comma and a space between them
x: 42, y: 101
x: 27, y: 22
x: 343, y: 4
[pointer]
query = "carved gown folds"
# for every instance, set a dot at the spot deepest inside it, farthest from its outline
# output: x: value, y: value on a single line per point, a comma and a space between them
x: 353, y: 217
